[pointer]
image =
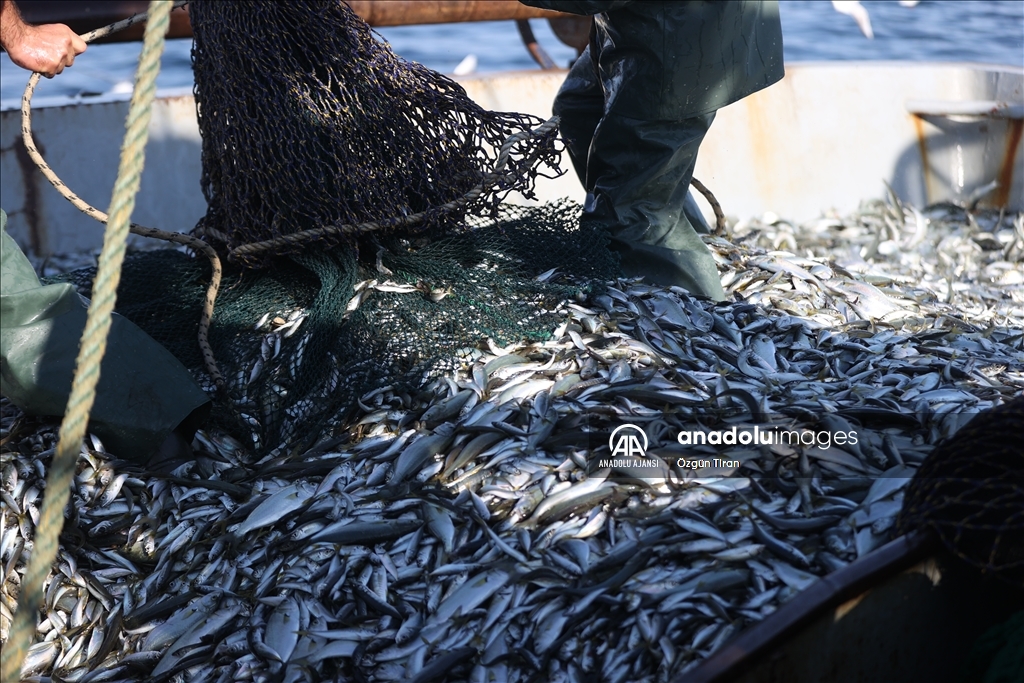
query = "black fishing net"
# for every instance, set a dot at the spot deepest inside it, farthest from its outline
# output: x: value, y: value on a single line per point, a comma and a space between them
x: 308, y: 121
x: 970, y: 492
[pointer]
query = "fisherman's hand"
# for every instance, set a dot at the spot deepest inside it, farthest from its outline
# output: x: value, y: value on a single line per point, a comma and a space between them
x: 46, y: 49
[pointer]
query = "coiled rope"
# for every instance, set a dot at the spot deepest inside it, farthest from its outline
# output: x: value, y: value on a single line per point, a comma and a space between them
x: 94, y: 342
x: 178, y: 238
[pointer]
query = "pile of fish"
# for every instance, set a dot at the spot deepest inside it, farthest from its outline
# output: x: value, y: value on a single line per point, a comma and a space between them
x: 472, y: 532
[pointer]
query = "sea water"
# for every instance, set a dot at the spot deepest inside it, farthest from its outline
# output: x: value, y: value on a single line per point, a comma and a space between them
x: 990, y: 31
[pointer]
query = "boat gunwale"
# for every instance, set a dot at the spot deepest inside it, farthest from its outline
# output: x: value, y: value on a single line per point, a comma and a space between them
x: 53, y: 101
x: 829, y: 592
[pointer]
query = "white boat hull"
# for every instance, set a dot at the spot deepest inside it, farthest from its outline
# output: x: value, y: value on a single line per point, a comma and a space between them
x: 822, y: 140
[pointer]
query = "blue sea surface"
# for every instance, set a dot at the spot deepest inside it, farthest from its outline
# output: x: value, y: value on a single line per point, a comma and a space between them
x: 990, y: 31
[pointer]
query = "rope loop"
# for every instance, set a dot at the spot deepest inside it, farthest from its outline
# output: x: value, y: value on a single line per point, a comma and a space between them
x: 198, y: 245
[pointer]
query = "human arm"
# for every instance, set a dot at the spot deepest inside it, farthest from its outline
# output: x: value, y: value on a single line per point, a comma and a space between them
x: 47, y: 49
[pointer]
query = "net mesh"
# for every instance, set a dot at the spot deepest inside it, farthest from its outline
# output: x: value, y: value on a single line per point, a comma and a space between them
x: 299, y: 343
x: 309, y: 121
x: 970, y: 491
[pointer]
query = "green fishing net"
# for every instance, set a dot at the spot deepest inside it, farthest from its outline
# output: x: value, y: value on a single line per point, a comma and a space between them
x: 298, y: 345
x: 997, y: 656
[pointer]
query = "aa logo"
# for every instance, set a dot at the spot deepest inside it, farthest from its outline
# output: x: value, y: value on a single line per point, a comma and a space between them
x: 628, y: 441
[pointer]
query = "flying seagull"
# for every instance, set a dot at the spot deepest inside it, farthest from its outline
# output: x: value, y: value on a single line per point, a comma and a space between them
x: 856, y: 10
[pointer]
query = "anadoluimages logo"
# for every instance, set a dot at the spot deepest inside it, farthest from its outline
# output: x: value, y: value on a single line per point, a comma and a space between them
x: 625, y: 442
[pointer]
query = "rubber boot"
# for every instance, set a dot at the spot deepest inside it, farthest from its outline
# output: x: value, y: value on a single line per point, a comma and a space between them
x: 637, y: 175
